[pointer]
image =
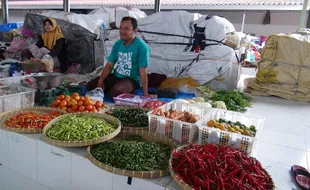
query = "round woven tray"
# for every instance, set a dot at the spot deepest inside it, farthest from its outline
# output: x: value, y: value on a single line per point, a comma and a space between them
x: 150, y: 136
x: 111, y: 120
x: 40, y: 110
x: 176, y: 178
x: 130, y: 127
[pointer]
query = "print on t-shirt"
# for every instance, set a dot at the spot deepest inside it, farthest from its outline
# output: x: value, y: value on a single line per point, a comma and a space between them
x: 124, y: 64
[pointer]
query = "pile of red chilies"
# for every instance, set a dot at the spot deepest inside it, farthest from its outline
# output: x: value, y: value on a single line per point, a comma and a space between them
x: 211, y: 167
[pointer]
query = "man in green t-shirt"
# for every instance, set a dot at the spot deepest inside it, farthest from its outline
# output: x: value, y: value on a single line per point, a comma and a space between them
x: 126, y: 69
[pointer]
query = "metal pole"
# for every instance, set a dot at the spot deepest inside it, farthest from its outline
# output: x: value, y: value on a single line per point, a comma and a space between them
x: 157, y: 6
x: 303, y: 14
x: 66, y: 5
x: 5, y: 11
x: 243, y: 21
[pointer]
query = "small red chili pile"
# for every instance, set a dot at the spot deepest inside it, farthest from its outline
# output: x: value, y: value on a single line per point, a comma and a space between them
x: 220, y: 168
x: 31, y: 120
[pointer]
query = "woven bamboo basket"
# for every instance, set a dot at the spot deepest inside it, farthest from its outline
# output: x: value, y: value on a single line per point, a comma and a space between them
x: 149, y: 136
x: 40, y: 110
x: 176, y: 178
x: 130, y: 127
x: 111, y: 120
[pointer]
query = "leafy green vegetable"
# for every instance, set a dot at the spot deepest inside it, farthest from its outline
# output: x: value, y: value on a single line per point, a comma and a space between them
x: 133, y: 153
x: 234, y: 100
x: 73, y: 127
x: 134, y: 117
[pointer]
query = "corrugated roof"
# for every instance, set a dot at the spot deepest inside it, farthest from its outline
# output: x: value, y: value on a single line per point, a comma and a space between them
x: 166, y: 4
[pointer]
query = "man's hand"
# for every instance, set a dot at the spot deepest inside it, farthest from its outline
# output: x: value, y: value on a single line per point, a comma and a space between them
x: 151, y: 95
x: 106, y: 71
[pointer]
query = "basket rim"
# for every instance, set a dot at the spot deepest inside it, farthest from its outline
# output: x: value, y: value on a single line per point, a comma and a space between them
x: 180, y: 182
x: 6, y: 115
x: 81, y: 143
x: 157, y: 173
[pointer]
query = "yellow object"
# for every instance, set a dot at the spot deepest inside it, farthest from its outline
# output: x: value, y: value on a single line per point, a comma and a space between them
x: 284, y: 68
x: 220, y: 126
x: 50, y: 38
x: 212, y: 123
x: 267, y: 75
x: 177, y: 83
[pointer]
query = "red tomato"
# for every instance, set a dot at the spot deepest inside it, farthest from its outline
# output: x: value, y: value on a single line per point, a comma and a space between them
x: 81, y: 108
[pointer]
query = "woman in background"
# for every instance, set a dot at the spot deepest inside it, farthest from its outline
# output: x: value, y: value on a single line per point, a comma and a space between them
x: 51, y: 43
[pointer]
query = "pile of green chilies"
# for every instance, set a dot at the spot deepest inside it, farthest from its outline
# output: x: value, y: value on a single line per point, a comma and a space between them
x: 133, y: 153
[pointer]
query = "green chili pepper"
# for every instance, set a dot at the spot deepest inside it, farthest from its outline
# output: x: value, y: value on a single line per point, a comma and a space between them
x: 73, y: 127
x: 133, y: 153
x: 131, y: 116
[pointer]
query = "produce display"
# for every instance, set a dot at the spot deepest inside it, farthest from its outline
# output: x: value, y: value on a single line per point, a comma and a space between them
x: 77, y: 103
x: 135, y: 117
x: 207, y: 104
x: 154, y: 104
x: 177, y: 115
x: 76, y: 128
x: 133, y: 153
x: 213, y: 167
x: 235, y: 127
x: 233, y: 100
x: 30, y: 120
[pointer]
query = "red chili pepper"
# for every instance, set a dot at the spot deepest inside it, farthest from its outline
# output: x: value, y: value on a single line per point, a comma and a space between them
x: 214, y: 167
x: 30, y: 120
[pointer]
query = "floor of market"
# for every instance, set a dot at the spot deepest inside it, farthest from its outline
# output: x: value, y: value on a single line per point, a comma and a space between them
x: 284, y: 141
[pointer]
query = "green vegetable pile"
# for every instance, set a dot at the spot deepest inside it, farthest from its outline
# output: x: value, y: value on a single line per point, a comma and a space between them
x: 75, y: 128
x: 133, y: 153
x: 134, y: 117
x: 234, y: 100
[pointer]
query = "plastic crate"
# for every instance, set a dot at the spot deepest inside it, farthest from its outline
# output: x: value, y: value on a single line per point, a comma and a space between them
x: 4, y: 82
x: 182, y: 132
x: 24, y: 98
x: 130, y: 100
x: 213, y: 135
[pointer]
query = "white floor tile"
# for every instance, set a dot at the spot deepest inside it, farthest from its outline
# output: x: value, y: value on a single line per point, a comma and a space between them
x: 281, y: 154
x: 284, y: 139
x: 280, y: 174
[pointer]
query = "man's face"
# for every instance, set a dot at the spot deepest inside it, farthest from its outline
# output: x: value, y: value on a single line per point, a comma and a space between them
x: 126, y: 31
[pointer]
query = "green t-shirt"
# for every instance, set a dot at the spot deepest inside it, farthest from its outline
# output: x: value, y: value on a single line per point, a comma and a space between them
x: 128, y: 60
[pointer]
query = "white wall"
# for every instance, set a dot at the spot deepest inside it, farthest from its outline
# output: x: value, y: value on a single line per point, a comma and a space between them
x: 281, y: 21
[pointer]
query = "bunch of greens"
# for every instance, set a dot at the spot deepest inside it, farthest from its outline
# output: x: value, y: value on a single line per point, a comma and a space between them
x: 234, y: 100
x: 133, y: 153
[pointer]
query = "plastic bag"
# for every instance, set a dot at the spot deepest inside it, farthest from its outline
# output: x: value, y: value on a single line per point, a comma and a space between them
x: 18, y: 43
x: 177, y: 83
x: 96, y: 94
x: 48, y: 63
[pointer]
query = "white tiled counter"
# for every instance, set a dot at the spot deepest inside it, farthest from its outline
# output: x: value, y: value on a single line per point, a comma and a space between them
x: 63, y: 168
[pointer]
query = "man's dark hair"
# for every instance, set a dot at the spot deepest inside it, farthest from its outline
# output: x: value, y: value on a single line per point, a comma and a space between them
x: 134, y: 21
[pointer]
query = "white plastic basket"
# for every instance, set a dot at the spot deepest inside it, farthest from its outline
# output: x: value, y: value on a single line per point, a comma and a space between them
x: 24, y: 98
x: 4, y: 82
x: 213, y: 135
x: 182, y: 132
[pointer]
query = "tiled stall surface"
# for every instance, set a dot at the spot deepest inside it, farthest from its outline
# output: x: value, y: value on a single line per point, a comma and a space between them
x: 284, y: 141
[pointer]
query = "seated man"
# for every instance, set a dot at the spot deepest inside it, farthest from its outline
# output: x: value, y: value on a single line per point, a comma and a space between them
x: 126, y: 69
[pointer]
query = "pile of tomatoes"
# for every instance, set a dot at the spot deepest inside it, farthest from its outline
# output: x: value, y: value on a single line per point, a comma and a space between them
x: 77, y: 103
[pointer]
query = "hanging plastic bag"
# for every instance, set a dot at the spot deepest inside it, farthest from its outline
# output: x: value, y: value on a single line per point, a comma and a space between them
x: 96, y: 94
